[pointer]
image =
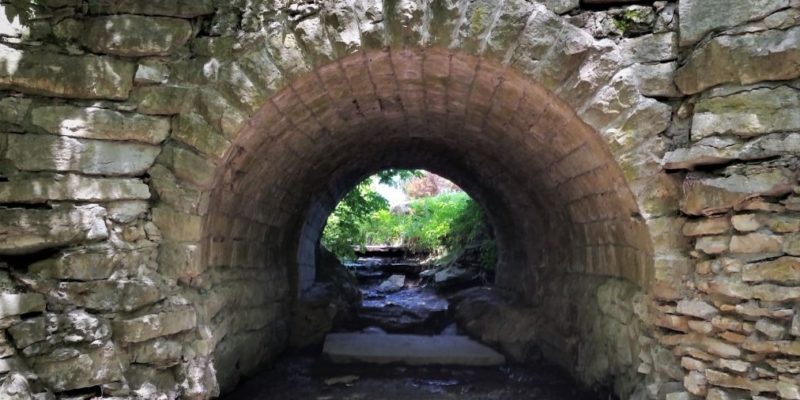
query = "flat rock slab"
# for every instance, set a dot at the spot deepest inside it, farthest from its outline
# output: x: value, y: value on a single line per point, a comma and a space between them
x: 346, y: 348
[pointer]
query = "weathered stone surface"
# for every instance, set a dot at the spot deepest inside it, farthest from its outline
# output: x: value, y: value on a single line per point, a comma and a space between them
x: 746, y: 222
x: 13, y: 111
x: 741, y: 290
x: 784, y: 271
x: 174, y: 193
x: 772, y: 329
x: 705, y: 195
x: 25, y: 231
x: 177, y: 226
x: 707, y: 226
x: 697, y: 308
x: 653, y: 48
x: 656, y: 80
x: 105, y: 295
x: 72, y: 187
x: 83, y: 77
x: 174, y: 8
x: 151, y: 74
x: 22, y: 303
x: 756, y: 243
x: 188, y: 166
x: 791, y: 244
x: 92, y: 263
x: 723, y: 379
x: 742, y: 59
x: 159, y: 352
x: 700, y: 17
x: 155, y: 325
x: 84, y: 369
x: 749, y: 113
x: 126, y: 211
x: 163, y: 100
x: 51, y: 331
x: 135, y: 35
x: 713, y: 244
x: 222, y: 113
x: 721, y: 150
x: 94, y: 157
x: 194, y: 131
x: 99, y: 123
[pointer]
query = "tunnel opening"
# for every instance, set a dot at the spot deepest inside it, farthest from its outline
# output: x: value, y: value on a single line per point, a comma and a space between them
x: 574, y: 255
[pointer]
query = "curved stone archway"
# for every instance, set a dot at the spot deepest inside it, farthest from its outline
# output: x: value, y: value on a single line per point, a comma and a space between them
x: 158, y: 184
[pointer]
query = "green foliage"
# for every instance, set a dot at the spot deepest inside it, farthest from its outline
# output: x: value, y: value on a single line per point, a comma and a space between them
x: 26, y: 10
x: 442, y: 225
x: 344, y: 227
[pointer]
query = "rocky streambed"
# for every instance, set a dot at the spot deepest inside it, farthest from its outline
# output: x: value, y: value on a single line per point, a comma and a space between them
x: 402, y: 295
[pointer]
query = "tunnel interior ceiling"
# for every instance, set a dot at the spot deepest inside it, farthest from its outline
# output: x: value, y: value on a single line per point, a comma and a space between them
x: 539, y: 171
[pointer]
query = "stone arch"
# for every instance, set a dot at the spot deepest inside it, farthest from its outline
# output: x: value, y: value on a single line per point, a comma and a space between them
x: 314, y: 94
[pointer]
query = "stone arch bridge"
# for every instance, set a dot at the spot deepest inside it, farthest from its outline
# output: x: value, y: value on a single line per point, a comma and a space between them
x: 167, y: 168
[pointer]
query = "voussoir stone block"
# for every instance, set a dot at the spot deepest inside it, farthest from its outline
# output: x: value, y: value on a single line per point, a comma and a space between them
x: 72, y: 187
x: 100, y: 123
x: 25, y: 231
x: 173, y: 8
x: 94, y: 157
x: 81, y: 77
x: 744, y: 59
x: 136, y: 35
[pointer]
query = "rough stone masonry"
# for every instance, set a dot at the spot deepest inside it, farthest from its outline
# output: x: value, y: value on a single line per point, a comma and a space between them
x: 166, y: 167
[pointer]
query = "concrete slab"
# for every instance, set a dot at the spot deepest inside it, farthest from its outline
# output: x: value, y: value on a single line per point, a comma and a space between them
x: 347, y: 348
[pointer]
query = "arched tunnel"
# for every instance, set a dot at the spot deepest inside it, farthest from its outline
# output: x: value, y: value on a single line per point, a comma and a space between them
x: 556, y: 198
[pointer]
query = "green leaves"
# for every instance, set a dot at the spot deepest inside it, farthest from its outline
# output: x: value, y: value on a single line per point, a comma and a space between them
x: 26, y: 10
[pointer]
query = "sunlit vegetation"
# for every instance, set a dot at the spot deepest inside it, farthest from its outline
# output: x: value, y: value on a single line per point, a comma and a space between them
x: 439, y: 219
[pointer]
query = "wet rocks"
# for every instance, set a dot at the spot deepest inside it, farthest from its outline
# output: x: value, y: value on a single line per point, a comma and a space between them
x: 393, y: 284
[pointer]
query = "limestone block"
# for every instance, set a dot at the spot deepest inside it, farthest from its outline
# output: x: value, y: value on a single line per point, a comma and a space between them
x: 770, y: 328
x: 94, y: 157
x: 135, y: 35
x: 91, y: 367
x: 700, y: 17
x: 742, y: 59
x: 756, y: 243
x: 108, y: 295
x: 707, y: 226
x: 719, y: 378
x: 83, y: 77
x: 713, y: 244
x: 705, y: 195
x: 193, y: 130
x: 29, y: 230
x: 737, y: 289
x: 46, y: 188
x: 13, y: 110
x: 187, y: 165
x: 653, y: 48
x: 222, y: 113
x: 154, y: 325
x: 721, y: 150
x: 791, y: 244
x: 177, y: 226
x: 697, y: 308
x: 159, y: 352
x: 163, y: 99
x: 92, y: 263
x: 151, y: 74
x: 99, y: 123
x: 784, y: 270
x: 656, y: 80
x: 173, y: 8
x: 174, y: 193
x: 749, y: 113
x: 22, y: 303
